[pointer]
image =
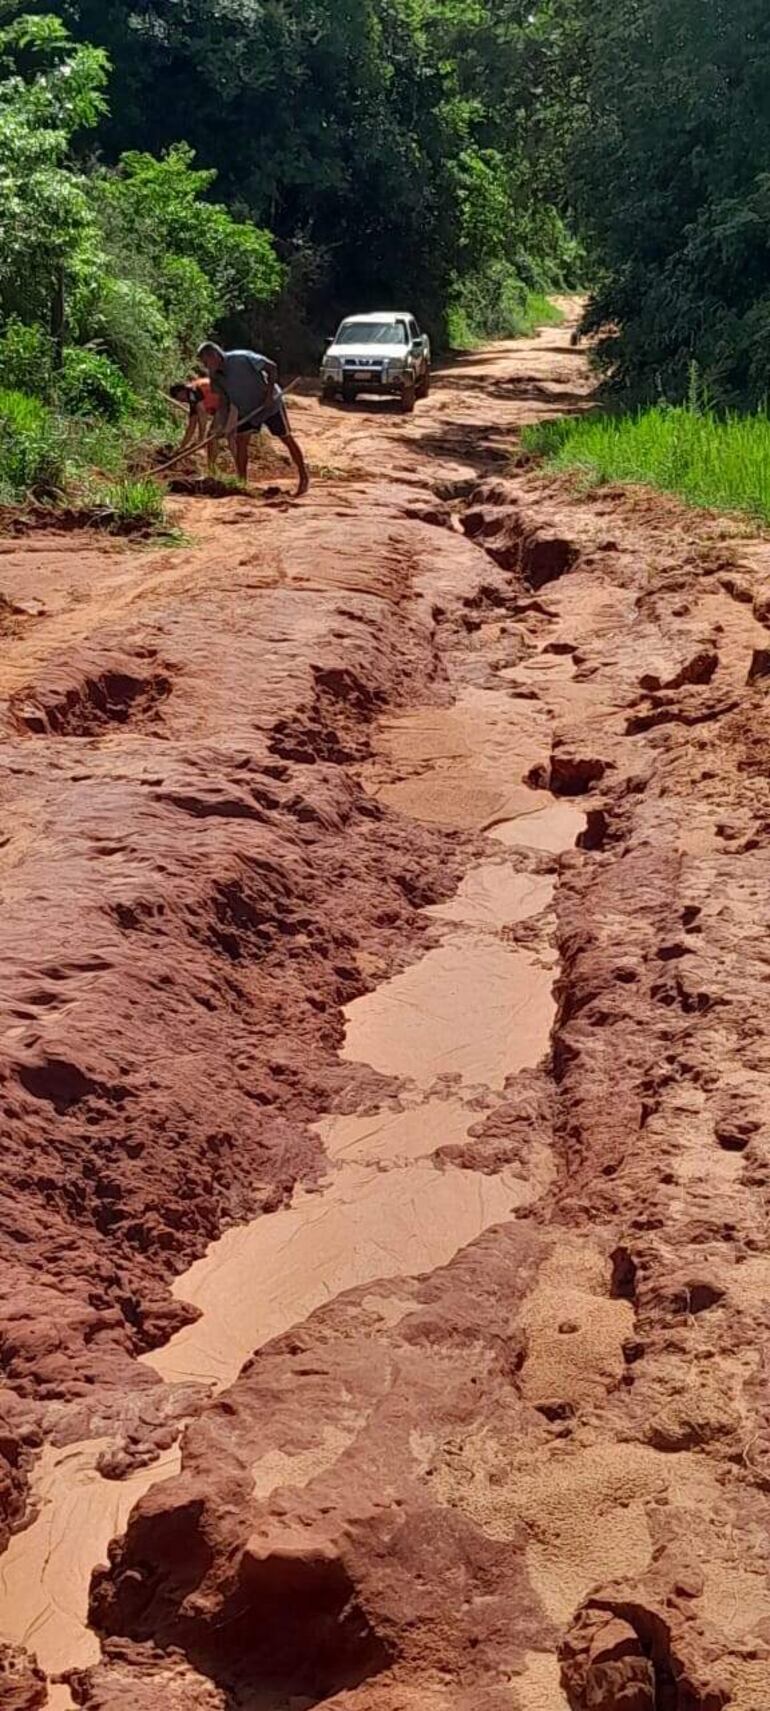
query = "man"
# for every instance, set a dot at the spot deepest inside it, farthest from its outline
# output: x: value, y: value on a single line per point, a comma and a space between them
x: 247, y: 385
x: 202, y: 404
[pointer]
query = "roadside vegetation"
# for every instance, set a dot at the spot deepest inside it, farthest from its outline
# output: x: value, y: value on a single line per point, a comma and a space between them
x: 108, y: 279
x: 468, y: 159
x: 156, y: 191
x: 667, y: 170
x: 498, y: 306
x: 717, y: 462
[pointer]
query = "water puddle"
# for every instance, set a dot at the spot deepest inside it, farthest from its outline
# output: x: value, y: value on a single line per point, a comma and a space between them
x: 46, y: 1571
x: 453, y: 1027
x: 553, y: 830
x: 494, y: 896
x: 463, y: 766
x: 391, y: 1138
x: 475, y: 1008
x: 261, y: 1279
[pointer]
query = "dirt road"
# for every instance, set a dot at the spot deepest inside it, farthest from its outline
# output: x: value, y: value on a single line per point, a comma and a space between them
x: 385, y: 1072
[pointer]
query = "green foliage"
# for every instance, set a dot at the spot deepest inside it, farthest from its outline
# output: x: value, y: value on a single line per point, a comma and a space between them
x: 155, y: 208
x: 403, y: 143
x: 669, y: 159
x: 398, y: 150
x: 496, y: 304
x: 709, y: 460
x: 110, y: 277
x: 32, y: 448
x: 92, y: 385
x: 175, y: 265
x: 125, y: 319
x: 47, y: 218
x: 26, y: 358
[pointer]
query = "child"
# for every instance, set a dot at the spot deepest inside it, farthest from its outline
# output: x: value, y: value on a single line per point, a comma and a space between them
x: 198, y: 397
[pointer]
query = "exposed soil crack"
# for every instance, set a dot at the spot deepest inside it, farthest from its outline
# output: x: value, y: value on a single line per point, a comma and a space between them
x: 127, y: 691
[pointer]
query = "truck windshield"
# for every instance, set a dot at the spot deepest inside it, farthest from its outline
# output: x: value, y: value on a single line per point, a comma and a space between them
x: 372, y: 333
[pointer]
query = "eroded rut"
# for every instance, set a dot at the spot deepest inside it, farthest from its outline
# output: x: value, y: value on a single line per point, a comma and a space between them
x: 385, y: 1076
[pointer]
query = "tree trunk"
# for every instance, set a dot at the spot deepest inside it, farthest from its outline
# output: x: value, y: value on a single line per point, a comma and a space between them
x: 57, y: 319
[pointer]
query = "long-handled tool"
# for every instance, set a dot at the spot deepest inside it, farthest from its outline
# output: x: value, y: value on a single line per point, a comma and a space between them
x: 189, y: 451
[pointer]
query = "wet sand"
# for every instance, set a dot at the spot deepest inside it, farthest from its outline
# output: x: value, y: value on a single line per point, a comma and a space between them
x: 452, y: 1028
x: 45, y: 1573
x: 474, y: 1009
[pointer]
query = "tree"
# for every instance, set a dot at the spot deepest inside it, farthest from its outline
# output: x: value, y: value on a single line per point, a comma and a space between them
x: 361, y: 132
x: 136, y: 261
x: 670, y: 157
x: 50, y: 89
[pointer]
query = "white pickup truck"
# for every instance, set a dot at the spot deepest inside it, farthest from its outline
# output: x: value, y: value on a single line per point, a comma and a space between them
x: 384, y: 353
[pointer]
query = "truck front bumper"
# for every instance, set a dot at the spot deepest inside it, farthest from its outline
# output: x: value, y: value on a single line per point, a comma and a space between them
x: 363, y: 379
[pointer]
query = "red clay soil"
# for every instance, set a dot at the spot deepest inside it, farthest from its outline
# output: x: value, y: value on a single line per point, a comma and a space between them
x: 239, y: 775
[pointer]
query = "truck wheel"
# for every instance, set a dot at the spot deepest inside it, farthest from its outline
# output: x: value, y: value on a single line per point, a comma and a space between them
x: 423, y: 386
x: 328, y: 393
x: 349, y: 395
x: 409, y: 399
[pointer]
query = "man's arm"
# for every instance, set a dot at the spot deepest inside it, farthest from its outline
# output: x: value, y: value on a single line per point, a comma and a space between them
x: 269, y: 370
x: 190, y: 436
x: 226, y: 420
x: 224, y: 423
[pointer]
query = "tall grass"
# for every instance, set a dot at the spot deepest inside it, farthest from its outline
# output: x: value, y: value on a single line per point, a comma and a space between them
x: 709, y: 460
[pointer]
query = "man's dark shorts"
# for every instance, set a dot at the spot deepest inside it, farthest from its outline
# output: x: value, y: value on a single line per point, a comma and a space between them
x: 276, y: 424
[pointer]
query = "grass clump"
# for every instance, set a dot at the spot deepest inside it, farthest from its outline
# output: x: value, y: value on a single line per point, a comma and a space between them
x: 135, y: 507
x: 721, y: 462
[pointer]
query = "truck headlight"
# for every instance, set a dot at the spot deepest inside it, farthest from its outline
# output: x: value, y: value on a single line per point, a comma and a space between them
x: 333, y: 364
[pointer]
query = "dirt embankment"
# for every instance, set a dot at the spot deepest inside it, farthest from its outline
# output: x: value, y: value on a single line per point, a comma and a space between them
x: 384, y: 886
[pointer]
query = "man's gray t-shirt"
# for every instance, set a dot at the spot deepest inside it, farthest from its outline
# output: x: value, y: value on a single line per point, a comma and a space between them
x: 243, y: 381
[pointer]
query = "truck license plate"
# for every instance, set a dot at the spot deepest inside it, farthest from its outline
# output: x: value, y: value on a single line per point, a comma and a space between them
x: 365, y: 374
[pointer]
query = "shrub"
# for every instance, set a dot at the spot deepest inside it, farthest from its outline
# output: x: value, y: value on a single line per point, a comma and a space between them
x: 26, y: 358
x: 496, y: 304
x: 32, y: 448
x: 134, y: 331
x: 190, y: 300
x: 92, y: 385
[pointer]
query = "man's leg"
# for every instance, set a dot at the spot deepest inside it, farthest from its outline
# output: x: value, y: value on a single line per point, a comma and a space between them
x: 242, y: 443
x: 278, y: 425
x: 295, y: 452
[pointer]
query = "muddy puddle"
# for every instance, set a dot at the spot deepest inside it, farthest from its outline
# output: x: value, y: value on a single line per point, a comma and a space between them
x: 551, y: 830
x: 453, y: 1027
x: 46, y: 1571
x: 463, y: 766
x: 474, y: 1009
